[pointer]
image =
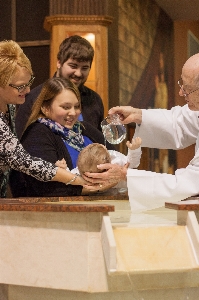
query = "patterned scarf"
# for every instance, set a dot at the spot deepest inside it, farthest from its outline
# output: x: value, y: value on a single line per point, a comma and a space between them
x: 72, y: 137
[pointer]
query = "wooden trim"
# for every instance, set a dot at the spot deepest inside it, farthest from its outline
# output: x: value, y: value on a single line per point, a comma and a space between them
x: 34, y: 43
x: 55, y: 207
x: 184, y: 205
x: 76, y: 20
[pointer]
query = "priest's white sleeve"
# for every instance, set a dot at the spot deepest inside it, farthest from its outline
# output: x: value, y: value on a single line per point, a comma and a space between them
x: 149, y: 190
x: 133, y: 157
x: 168, y: 129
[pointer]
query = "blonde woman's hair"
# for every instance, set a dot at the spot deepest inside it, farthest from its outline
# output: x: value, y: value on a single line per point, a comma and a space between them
x: 11, y: 57
x: 51, y: 88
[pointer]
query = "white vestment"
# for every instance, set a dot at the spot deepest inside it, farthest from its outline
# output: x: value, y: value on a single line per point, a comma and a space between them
x: 165, y: 129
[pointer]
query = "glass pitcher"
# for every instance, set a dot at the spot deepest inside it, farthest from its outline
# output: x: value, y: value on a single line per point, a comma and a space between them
x: 113, y: 130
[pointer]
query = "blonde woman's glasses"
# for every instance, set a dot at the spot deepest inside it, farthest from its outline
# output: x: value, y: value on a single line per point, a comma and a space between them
x: 22, y: 88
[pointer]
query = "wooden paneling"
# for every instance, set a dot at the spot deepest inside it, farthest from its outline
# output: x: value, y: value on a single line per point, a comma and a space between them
x: 78, y: 7
x: 5, y: 20
x: 30, y: 16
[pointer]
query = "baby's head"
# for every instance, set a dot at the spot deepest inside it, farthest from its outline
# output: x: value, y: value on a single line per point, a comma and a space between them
x: 91, y: 156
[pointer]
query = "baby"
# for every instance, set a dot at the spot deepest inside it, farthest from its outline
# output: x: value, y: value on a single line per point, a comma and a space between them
x: 91, y: 156
x: 95, y: 154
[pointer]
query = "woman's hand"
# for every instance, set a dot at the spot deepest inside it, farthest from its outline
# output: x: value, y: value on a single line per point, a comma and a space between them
x: 96, y: 187
x: 104, y: 180
x: 89, y: 187
x: 128, y: 114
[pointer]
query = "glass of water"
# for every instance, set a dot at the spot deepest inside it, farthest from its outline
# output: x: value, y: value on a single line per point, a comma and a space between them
x: 113, y: 130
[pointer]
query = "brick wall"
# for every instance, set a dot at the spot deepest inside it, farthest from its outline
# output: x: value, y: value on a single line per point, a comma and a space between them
x: 137, y: 23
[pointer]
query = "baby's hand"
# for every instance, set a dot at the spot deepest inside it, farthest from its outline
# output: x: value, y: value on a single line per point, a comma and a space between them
x: 135, y: 143
x: 61, y: 163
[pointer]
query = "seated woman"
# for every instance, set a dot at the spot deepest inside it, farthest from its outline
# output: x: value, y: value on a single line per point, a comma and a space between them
x: 53, y: 133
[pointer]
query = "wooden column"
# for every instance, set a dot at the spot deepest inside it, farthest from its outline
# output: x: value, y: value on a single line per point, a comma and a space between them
x: 62, y: 26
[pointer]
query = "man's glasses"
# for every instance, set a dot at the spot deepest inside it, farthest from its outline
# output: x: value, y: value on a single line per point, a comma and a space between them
x: 22, y: 88
x: 180, y: 83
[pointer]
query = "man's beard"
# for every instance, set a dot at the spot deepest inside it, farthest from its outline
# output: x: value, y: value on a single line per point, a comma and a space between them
x: 60, y: 74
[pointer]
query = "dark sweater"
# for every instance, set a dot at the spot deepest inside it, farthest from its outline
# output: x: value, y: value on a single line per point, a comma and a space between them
x: 40, y: 141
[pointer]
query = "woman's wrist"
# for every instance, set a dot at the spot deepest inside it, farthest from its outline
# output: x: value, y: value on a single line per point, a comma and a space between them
x: 72, y: 180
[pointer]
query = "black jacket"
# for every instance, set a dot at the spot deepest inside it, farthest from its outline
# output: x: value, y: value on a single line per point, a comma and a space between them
x: 41, y: 142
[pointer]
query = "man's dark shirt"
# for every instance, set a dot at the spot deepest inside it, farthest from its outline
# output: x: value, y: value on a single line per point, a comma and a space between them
x: 92, y: 108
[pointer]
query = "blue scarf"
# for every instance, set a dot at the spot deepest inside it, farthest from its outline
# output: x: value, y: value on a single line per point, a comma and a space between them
x: 73, y: 136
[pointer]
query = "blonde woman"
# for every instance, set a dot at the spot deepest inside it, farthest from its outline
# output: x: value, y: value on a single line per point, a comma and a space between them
x: 16, y: 77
